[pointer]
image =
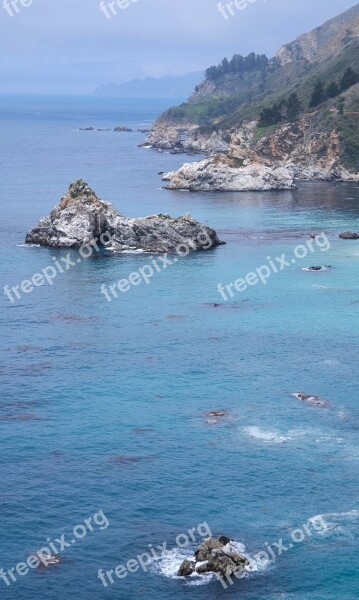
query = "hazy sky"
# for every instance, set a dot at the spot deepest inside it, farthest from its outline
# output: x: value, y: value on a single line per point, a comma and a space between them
x: 70, y: 47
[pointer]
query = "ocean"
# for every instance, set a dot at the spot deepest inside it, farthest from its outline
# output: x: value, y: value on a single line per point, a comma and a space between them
x: 105, y: 406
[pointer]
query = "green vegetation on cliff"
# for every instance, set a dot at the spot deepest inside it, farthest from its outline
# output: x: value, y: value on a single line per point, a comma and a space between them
x: 317, y: 72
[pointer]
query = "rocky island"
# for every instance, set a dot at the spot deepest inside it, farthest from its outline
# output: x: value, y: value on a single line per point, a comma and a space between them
x: 82, y: 218
x: 215, y: 555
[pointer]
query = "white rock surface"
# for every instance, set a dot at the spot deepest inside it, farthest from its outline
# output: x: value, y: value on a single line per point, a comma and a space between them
x: 218, y: 174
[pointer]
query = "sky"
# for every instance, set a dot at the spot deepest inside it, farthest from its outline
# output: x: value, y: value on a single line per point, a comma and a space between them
x: 71, y: 46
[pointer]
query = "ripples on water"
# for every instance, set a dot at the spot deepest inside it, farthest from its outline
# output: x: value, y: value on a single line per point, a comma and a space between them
x: 103, y: 404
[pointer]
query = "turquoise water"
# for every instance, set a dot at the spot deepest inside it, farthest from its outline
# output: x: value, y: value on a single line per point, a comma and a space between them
x: 103, y: 404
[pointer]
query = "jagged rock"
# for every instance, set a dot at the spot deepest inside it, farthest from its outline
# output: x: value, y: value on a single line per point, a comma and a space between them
x: 122, y: 128
x: 322, y: 268
x: 215, y: 555
x: 218, y: 413
x: 82, y: 218
x: 186, y: 568
x: 46, y: 560
x: 220, y: 173
x: 224, y: 539
x: 349, y: 235
x: 204, y: 550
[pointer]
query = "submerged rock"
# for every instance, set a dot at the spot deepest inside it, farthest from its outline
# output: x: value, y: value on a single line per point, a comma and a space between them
x: 311, y: 400
x: 214, y: 555
x: 322, y: 268
x: 81, y: 218
x: 349, y: 235
x: 217, y: 413
x: 46, y: 559
x: 122, y: 128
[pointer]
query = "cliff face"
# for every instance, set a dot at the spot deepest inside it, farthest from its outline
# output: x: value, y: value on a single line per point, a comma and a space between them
x: 322, y: 42
x: 222, y: 116
x: 308, y: 149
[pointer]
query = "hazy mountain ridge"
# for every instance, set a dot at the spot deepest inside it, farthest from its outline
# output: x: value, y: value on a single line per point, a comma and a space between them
x: 151, y: 87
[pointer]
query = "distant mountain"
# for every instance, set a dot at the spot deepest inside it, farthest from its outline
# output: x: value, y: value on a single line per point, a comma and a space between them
x: 164, y: 87
x: 299, y: 108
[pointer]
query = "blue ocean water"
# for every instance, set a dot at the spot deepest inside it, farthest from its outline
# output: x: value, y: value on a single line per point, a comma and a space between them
x: 103, y: 405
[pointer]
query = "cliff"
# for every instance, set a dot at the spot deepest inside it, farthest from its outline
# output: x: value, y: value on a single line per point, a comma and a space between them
x: 298, y: 111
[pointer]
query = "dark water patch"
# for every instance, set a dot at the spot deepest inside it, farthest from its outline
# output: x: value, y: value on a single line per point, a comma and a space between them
x: 28, y: 348
x: 176, y: 317
x: 141, y: 431
x: 28, y: 370
x: 124, y: 459
x: 69, y: 318
x: 21, y: 417
x: 226, y: 305
x: 18, y: 403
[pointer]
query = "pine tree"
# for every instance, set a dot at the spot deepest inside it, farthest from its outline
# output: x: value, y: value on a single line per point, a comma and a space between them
x: 212, y: 73
x: 332, y: 90
x: 236, y: 64
x: 225, y: 66
x: 294, y: 107
x: 349, y: 79
x: 318, y: 95
x: 340, y: 106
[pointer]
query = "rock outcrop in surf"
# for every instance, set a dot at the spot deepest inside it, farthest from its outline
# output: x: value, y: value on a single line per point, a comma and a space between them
x: 349, y: 235
x: 215, y: 555
x: 311, y: 400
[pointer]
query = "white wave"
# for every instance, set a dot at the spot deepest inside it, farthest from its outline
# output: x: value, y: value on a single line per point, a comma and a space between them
x: 322, y: 287
x: 116, y: 251
x: 169, y: 564
x: 311, y: 270
x: 351, y: 514
x: 266, y: 436
x: 28, y: 245
x: 337, y: 522
x: 331, y: 363
x: 276, y: 437
x: 137, y: 251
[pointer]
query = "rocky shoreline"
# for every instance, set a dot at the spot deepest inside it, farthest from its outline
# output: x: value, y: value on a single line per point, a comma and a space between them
x: 237, y: 161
